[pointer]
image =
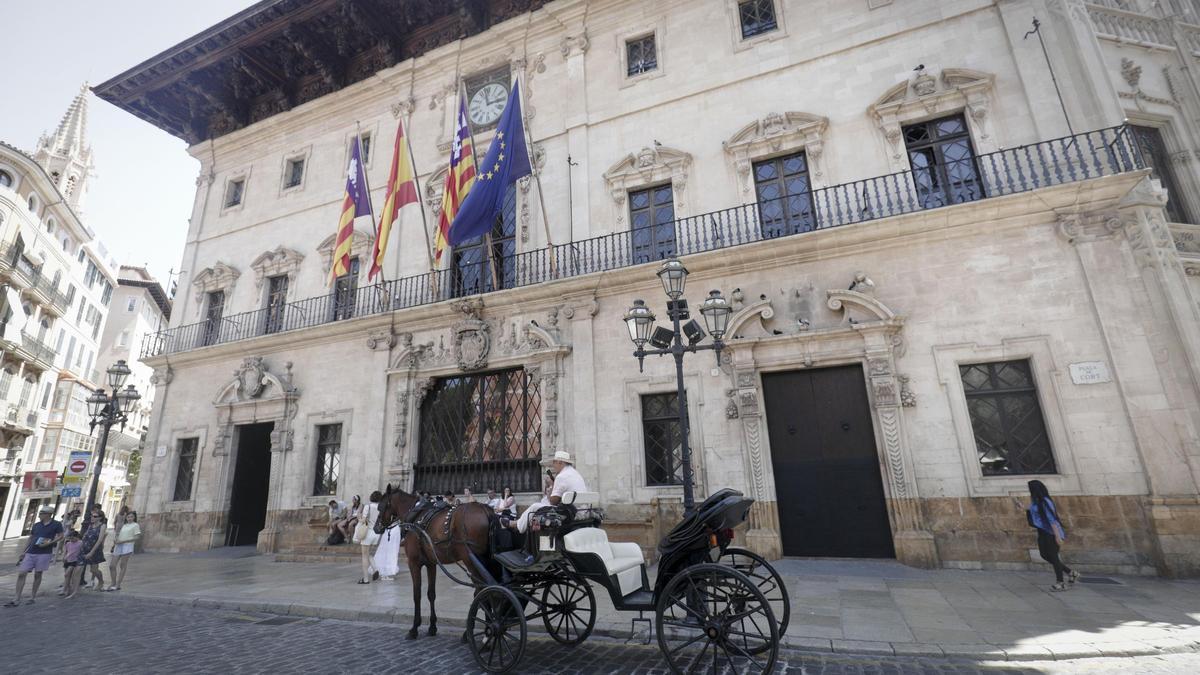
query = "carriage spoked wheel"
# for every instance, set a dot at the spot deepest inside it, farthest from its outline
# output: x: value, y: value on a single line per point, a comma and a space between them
x: 704, y: 622
x: 768, y: 580
x: 496, y: 629
x: 569, y: 610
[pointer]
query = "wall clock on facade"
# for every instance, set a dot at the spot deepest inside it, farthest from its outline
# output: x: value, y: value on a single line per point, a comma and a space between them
x: 487, y: 104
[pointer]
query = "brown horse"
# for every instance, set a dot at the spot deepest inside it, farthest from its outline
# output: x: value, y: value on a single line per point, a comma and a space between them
x: 466, y: 531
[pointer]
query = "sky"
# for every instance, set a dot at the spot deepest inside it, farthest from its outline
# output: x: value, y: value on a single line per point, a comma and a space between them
x: 140, y: 197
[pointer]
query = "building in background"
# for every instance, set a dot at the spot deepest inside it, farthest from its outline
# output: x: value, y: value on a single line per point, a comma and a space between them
x: 57, y: 284
x: 945, y: 283
x: 140, y: 307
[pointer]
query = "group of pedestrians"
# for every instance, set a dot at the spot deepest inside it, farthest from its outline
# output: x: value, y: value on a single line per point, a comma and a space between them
x: 81, y: 552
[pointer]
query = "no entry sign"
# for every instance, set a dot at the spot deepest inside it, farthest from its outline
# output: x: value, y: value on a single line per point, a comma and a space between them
x: 77, y: 467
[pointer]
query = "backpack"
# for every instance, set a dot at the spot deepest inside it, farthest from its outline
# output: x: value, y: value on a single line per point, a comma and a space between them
x: 335, y: 538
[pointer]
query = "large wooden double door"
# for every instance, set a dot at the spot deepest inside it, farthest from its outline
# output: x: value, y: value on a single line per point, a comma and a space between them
x: 828, y: 484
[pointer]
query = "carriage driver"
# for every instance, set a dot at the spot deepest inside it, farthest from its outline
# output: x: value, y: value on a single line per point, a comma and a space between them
x: 566, y: 479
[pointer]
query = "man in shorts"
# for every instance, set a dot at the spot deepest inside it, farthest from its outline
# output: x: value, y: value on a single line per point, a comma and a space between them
x: 39, y: 551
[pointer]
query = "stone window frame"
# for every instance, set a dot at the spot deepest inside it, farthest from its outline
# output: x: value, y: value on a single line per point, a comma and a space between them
x: 741, y: 44
x: 1047, y: 381
x: 648, y: 167
x: 300, y: 154
x: 345, y: 417
x: 778, y: 135
x: 622, y: 40
x: 1182, y: 159
x: 178, y: 434
x: 634, y: 389
x: 234, y: 176
x: 370, y: 130
x: 924, y: 97
x: 361, y: 247
x: 219, y: 277
x: 279, y: 261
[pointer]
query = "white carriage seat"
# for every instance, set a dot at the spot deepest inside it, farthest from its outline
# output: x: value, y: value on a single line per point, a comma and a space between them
x: 622, y: 559
x: 581, y: 498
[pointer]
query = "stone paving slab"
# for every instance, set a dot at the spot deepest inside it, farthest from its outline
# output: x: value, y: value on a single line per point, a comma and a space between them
x: 875, y: 607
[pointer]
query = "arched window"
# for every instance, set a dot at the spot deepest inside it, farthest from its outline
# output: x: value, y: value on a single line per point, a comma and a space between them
x: 6, y: 378
x: 33, y: 203
x: 50, y: 224
x: 6, y: 179
x: 26, y: 392
x: 58, y: 273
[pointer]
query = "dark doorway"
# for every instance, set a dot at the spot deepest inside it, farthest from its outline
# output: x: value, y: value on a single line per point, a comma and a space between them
x: 827, y: 477
x: 251, y: 480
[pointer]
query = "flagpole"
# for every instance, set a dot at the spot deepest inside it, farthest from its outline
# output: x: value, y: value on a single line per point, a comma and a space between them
x: 421, y: 202
x: 537, y: 175
x: 370, y: 202
x: 487, y: 236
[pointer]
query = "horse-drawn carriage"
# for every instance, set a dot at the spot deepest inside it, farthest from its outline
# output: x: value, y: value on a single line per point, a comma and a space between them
x: 714, y: 605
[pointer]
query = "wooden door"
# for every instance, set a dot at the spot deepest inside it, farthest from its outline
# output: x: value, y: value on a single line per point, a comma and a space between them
x: 827, y: 478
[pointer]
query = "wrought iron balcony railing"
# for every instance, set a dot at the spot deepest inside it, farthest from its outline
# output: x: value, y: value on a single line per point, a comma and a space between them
x: 30, y: 278
x: 1092, y: 154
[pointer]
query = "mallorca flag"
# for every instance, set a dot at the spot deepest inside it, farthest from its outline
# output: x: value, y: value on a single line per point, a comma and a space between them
x: 401, y: 191
x: 459, y: 180
x: 356, y: 203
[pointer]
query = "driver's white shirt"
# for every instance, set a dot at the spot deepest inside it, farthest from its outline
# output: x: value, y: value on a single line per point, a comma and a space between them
x: 567, y: 480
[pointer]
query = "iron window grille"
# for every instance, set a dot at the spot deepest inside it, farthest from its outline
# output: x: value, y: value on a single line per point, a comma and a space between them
x: 641, y: 55
x: 276, y: 303
x: 757, y: 17
x: 481, y: 431
x: 295, y: 172
x: 1154, y: 151
x: 213, y: 317
x: 329, y: 451
x: 345, y: 288
x: 662, y: 439
x: 233, y: 192
x: 652, y: 223
x: 784, y: 192
x: 943, y: 162
x: 185, y: 473
x: 1006, y: 418
x: 473, y: 262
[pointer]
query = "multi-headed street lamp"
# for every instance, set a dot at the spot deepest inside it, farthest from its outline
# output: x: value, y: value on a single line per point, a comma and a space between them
x: 640, y: 321
x: 106, y: 411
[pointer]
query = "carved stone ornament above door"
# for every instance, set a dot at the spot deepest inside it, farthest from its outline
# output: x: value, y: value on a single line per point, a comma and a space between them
x: 279, y: 261
x: 219, y: 277
x: 650, y: 165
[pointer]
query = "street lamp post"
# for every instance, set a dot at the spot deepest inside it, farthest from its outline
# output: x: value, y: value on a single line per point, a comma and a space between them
x: 106, y: 411
x: 640, y: 321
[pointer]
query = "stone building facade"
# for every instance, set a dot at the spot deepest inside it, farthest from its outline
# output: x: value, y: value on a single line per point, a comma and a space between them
x: 945, y: 282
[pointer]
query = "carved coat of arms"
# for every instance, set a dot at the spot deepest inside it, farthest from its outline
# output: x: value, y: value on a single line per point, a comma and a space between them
x: 472, y: 344
x: 250, y: 377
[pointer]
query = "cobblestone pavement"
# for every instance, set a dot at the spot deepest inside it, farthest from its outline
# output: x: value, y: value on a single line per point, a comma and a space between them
x: 117, y: 634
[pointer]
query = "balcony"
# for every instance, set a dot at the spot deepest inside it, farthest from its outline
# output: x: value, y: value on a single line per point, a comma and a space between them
x: 29, y: 280
x: 1087, y: 155
x: 36, y: 354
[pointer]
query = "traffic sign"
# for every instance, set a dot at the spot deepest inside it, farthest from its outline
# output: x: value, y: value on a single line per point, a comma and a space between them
x: 77, y: 467
x: 72, y: 491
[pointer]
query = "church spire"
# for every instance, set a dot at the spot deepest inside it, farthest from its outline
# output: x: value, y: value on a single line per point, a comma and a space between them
x: 66, y: 155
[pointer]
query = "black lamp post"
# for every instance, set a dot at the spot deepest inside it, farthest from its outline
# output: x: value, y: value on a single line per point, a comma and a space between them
x: 106, y: 411
x: 640, y: 321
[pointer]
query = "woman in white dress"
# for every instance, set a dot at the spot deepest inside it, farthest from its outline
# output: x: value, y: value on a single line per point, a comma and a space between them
x: 364, y: 534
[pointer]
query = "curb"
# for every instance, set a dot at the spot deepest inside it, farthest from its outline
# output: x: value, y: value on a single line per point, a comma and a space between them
x: 976, y: 652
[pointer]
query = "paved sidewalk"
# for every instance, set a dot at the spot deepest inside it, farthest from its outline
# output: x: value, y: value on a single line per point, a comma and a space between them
x: 858, y: 607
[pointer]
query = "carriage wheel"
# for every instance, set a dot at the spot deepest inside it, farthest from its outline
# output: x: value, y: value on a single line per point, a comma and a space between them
x: 704, y: 622
x: 768, y: 580
x: 569, y: 610
x: 496, y: 629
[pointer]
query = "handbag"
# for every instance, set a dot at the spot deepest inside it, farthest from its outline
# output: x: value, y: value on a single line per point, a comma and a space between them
x: 361, y: 531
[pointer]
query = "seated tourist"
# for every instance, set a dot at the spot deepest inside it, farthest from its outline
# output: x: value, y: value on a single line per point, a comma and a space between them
x: 350, y: 519
x: 566, y: 479
x: 492, y: 500
x: 450, y: 498
x: 337, y: 512
x: 507, y: 505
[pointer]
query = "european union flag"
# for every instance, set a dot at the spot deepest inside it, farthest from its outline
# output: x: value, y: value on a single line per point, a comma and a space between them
x: 506, y: 161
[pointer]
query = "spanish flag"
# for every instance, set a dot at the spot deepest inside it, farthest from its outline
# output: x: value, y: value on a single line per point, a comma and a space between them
x: 459, y: 179
x: 356, y: 203
x: 401, y: 191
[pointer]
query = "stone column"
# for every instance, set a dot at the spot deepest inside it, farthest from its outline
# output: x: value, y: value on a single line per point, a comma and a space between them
x: 762, y: 535
x: 281, y: 444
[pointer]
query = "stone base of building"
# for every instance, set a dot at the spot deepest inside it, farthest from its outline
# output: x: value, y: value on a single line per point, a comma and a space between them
x: 1106, y: 534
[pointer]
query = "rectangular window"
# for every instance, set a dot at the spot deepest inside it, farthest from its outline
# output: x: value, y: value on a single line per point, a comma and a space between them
x: 757, y: 17
x: 943, y: 162
x: 79, y: 312
x: 123, y: 340
x: 6, y: 378
x: 46, y: 395
x: 661, y: 439
x: 1154, y: 152
x: 785, y: 204
x: 474, y: 263
x: 365, y: 140
x: 107, y: 295
x: 329, y: 449
x: 481, y: 431
x: 233, y: 192
x: 276, y: 303
x: 70, y: 353
x: 26, y: 392
x: 345, y: 292
x: 641, y: 55
x: 294, y: 173
x: 1010, y: 433
x: 70, y: 294
x: 652, y: 223
x: 185, y: 473
x: 131, y: 305
x: 212, y: 318
x: 62, y: 334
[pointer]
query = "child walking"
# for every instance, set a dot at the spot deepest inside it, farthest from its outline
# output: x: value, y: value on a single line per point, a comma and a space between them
x: 72, y: 569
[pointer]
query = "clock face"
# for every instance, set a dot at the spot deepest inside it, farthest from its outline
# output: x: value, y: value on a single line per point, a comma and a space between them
x: 487, y: 104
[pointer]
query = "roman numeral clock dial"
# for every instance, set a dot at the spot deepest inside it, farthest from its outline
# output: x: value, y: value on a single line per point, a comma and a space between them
x: 487, y: 104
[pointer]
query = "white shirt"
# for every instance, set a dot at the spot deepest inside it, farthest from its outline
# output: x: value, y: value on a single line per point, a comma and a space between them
x: 568, y: 480
x: 493, y: 503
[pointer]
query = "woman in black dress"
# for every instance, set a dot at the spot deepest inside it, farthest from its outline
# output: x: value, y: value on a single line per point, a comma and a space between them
x: 92, y: 553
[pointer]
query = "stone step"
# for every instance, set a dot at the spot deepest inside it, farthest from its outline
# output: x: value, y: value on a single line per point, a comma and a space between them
x: 322, y: 553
